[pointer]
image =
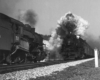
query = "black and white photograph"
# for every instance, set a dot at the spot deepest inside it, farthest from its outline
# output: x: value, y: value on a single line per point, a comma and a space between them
x: 49, y: 39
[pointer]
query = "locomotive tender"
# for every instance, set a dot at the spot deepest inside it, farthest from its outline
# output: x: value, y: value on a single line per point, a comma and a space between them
x: 19, y: 43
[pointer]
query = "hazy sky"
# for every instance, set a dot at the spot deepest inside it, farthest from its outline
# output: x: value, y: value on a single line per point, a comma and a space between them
x: 49, y: 11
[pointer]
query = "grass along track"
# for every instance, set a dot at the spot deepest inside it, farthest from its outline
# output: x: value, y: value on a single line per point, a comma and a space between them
x: 84, y: 71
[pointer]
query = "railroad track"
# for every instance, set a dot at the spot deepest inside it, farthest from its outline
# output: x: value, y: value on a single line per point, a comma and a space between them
x: 12, y: 68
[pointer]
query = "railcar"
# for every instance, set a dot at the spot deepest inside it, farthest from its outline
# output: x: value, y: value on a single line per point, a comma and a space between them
x: 19, y: 43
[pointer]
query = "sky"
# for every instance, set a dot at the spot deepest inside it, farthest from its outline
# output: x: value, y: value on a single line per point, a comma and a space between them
x: 49, y: 12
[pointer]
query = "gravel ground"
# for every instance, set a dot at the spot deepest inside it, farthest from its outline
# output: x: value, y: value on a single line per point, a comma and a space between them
x: 39, y: 72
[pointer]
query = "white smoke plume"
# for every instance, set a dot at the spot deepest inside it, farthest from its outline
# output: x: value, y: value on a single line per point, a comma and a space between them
x: 28, y: 17
x: 53, y: 46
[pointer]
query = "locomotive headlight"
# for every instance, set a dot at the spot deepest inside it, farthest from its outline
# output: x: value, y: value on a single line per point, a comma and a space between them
x: 78, y: 37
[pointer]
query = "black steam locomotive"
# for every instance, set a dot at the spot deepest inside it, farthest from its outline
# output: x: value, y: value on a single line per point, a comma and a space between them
x: 19, y: 43
x: 75, y: 47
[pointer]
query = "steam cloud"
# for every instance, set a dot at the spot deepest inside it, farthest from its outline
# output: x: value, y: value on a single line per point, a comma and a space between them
x: 53, y: 46
x: 28, y: 17
x: 69, y: 23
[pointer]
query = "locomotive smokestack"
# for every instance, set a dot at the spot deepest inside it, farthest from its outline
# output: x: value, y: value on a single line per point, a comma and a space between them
x: 28, y: 26
x: 28, y: 17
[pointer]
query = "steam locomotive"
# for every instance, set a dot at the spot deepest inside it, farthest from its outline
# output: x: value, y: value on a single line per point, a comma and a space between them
x: 74, y: 47
x: 19, y: 43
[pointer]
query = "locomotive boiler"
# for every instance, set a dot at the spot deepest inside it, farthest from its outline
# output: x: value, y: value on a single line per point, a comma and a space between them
x: 19, y: 43
x: 74, y: 47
